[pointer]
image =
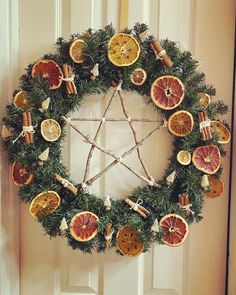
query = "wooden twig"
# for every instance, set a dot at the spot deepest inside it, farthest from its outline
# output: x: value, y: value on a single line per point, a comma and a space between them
x: 125, y: 154
x: 134, y: 135
x: 90, y: 154
x: 117, y: 120
x: 108, y: 152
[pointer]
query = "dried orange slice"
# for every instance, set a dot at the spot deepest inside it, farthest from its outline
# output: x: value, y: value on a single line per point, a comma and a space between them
x: 204, y: 100
x: 207, y: 158
x: 49, y: 70
x: 184, y: 157
x: 123, y: 50
x: 83, y: 226
x: 222, y: 131
x: 175, y: 230
x: 44, y: 203
x: 128, y: 241
x: 50, y: 130
x: 21, y: 174
x: 21, y: 100
x: 76, y: 51
x: 138, y: 76
x: 167, y: 92
x: 180, y: 123
x: 216, y: 187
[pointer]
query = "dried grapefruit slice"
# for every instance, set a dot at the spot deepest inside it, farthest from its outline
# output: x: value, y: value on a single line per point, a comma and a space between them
x: 21, y: 100
x: 207, y: 158
x: 175, y: 230
x: 76, y: 51
x: 138, y: 76
x: 123, y: 50
x: 49, y: 70
x: 222, y: 131
x: 50, y: 130
x: 204, y: 100
x: 21, y: 174
x: 216, y: 187
x: 180, y: 123
x: 184, y: 157
x: 83, y: 226
x: 44, y: 203
x: 167, y: 92
x: 128, y: 241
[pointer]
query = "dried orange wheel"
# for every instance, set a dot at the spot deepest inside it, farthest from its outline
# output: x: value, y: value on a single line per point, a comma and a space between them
x: 222, y: 131
x: 174, y: 229
x: 50, y: 130
x: 83, y: 226
x: 138, y: 76
x: 76, y: 51
x: 180, y: 123
x: 123, y: 50
x: 204, y: 100
x: 44, y: 203
x: 128, y: 241
x: 21, y: 100
x: 49, y: 70
x: 207, y: 158
x: 184, y: 157
x: 167, y: 92
x: 21, y: 174
x: 216, y: 187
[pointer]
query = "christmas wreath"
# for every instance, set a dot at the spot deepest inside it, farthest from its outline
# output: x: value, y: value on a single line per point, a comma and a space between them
x: 170, y: 81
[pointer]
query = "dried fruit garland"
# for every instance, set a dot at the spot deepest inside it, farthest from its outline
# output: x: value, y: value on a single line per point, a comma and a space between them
x: 169, y: 80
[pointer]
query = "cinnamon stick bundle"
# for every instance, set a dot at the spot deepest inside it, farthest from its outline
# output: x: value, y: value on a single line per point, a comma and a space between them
x: 137, y: 207
x: 66, y: 183
x: 183, y: 201
x: 70, y: 85
x: 205, y: 126
x: 108, y: 234
x: 161, y: 53
x: 27, y: 122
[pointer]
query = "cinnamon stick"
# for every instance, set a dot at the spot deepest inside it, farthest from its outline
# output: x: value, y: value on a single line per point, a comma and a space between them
x: 31, y: 138
x: 161, y: 54
x: 201, y: 119
x: 208, y: 128
x: 25, y: 124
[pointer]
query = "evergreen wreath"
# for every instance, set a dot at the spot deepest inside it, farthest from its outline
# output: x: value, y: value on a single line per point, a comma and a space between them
x: 61, y: 206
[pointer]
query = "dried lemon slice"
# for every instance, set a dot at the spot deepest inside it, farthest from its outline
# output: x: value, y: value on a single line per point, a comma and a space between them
x: 184, y: 157
x: 138, y: 76
x: 76, y: 51
x: 204, y: 100
x: 50, y: 130
x: 123, y: 50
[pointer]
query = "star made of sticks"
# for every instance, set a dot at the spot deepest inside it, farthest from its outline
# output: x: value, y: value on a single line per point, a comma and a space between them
x: 118, y: 159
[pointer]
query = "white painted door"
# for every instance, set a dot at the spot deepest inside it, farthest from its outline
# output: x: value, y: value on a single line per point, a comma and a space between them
x: 49, y: 267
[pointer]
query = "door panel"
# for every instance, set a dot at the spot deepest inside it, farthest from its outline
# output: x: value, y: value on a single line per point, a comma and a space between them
x: 48, y: 266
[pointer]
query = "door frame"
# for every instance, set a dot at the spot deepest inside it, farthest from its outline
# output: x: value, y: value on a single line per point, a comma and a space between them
x: 9, y: 204
x: 230, y: 287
